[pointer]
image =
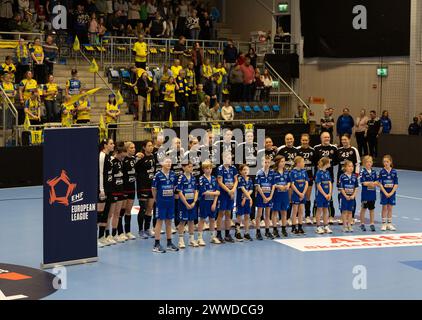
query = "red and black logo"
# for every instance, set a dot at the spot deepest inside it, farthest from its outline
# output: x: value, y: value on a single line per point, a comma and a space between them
x: 23, y: 283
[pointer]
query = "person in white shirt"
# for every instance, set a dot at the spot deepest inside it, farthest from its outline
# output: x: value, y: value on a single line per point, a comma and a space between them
x: 360, y: 129
x: 227, y: 111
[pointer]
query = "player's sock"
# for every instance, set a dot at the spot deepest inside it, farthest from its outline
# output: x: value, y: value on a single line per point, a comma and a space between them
x: 141, y: 215
x: 227, y: 233
x: 267, y: 230
x: 120, y: 224
x: 101, y: 231
x: 127, y: 223
x: 157, y: 243
x: 389, y: 221
x: 218, y: 233
x: 384, y: 220
x: 107, y: 232
x: 114, y: 232
x: 147, y: 222
x: 168, y: 242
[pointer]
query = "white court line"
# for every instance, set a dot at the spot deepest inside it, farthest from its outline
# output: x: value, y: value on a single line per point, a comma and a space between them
x: 417, y: 219
x: 407, y: 197
x: 405, y: 217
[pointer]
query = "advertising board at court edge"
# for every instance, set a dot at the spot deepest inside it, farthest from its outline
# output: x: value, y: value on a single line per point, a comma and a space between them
x: 72, y: 199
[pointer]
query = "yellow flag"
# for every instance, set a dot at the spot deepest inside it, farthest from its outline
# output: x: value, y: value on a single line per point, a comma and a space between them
x: 171, y: 121
x: 26, y: 123
x: 305, y: 116
x: 102, y: 129
x: 94, y: 66
x: 119, y: 98
x: 76, y: 44
x: 77, y: 97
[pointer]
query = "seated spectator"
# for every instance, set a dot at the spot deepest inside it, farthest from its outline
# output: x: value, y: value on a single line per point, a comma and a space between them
x: 133, y: 15
x: 90, y: 7
x: 215, y: 112
x: 268, y: 84
x: 252, y: 56
x: 259, y: 85
x: 50, y: 52
x: 140, y: 29
x: 414, y: 128
x: 206, y: 71
x: 227, y: 111
x: 27, y: 25
x: 115, y: 24
x: 204, y: 110
x: 130, y: 32
x: 8, y: 68
x: 236, y: 83
x: 176, y: 67
x: 8, y: 87
x: 301, y: 114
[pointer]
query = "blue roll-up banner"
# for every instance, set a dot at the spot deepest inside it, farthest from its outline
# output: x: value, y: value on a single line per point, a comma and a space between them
x: 70, y: 196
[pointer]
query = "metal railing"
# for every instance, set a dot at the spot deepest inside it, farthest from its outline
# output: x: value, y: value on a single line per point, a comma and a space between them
x: 9, y: 116
x: 16, y: 35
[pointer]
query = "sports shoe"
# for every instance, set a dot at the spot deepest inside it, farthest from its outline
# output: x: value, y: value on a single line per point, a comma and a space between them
x: 350, y: 229
x: 123, y: 237
x: 391, y: 227
x: 331, y: 220
x: 193, y: 243
x: 308, y: 220
x: 158, y: 249
x: 314, y: 220
x: 262, y: 224
x: 100, y: 244
x: 268, y: 235
x: 130, y: 236
x: 201, y: 242
x: 372, y: 227
x: 276, y: 234
x: 300, y: 230
x: 384, y: 227
x: 149, y: 233
x: 104, y: 241
x: 232, y: 224
x: 328, y: 230
x: 259, y: 236
x: 172, y: 247
x: 182, y: 243
x: 142, y: 235
x: 119, y: 238
x: 238, y: 237
x: 215, y: 240
x: 289, y: 222
x: 229, y: 239
x: 247, y: 237
x: 345, y: 229
x: 284, y: 232
x: 362, y: 227
x: 320, y: 230
x: 340, y: 221
x: 111, y: 240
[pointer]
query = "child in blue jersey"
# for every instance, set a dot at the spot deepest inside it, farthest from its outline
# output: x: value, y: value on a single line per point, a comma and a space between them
x: 208, y: 193
x: 264, y: 183
x: 244, y: 202
x: 369, y: 181
x: 187, y: 190
x: 389, y: 184
x: 227, y: 181
x: 348, y: 187
x: 323, y: 196
x: 281, y: 200
x: 163, y: 186
x: 299, y: 180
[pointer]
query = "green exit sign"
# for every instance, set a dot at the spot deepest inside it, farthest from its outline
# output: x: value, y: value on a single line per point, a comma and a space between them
x: 382, y: 71
x: 283, y: 7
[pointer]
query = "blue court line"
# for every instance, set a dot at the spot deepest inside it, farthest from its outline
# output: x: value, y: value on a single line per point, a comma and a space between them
x: 413, y: 264
x: 20, y: 199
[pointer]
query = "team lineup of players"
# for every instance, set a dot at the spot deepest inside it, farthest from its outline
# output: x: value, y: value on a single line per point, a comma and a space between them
x: 187, y: 187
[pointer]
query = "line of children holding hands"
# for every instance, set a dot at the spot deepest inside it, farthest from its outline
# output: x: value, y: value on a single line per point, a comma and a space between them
x: 216, y: 198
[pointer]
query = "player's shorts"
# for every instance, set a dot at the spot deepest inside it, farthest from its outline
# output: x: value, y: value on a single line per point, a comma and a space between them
x: 145, y: 194
x: 117, y: 196
x: 165, y: 210
x: 129, y: 194
x: 347, y: 205
x: 322, y: 202
x: 281, y: 201
x: 246, y: 209
x: 388, y: 201
x: 225, y: 203
x: 370, y: 205
x: 296, y: 199
x: 187, y: 214
x: 260, y: 202
x: 205, y: 210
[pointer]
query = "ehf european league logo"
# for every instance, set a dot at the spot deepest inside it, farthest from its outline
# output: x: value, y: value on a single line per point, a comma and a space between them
x: 64, y: 200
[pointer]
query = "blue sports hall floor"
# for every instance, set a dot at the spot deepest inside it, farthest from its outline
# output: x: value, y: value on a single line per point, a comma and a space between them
x: 256, y: 270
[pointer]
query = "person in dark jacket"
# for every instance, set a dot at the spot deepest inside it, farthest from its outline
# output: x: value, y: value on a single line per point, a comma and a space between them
x: 230, y: 53
x: 414, y: 128
x: 345, y: 123
x: 144, y: 86
x: 385, y: 123
x: 210, y: 87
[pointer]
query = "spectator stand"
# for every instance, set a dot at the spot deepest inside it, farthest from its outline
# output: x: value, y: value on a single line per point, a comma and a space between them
x: 8, y: 121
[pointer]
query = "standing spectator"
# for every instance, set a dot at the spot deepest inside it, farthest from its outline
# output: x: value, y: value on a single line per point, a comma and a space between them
x: 385, y: 123
x: 90, y: 7
x: 206, y: 71
x: 192, y: 24
x: 6, y: 9
x: 200, y: 94
x: 50, y: 52
x: 268, y: 84
x: 51, y: 90
x: 101, y: 6
x: 73, y: 85
x: 133, y: 15
x: 151, y: 10
x: 230, y: 54
x: 182, y: 12
x: 176, y: 68
x: 198, y: 60
x: 42, y: 19
x: 22, y: 57
x: 215, y: 18
x: 8, y: 68
x: 372, y: 134
x: 258, y: 85
x: 227, y: 112
x: 414, y: 128
x: 360, y: 129
x: 140, y: 50
x: 210, y: 87
x: 23, y: 6
x: 241, y: 59
x: 112, y: 112
x: 280, y: 38
x: 215, y: 112
x: 236, y: 83
x: 248, y: 80
x: 37, y: 55
x: 144, y: 86
x: 143, y: 13
x: 32, y: 108
x: 182, y: 96
x: 93, y: 29
x: 204, y: 110
x: 345, y: 123
x: 101, y: 30
x: 80, y: 24
x: 169, y: 99
x: 206, y: 25
x: 252, y: 56
x: 179, y: 49
x: 327, y: 123
x: 222, y: 80
x: 157, y: 26
x: 122, y: 6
